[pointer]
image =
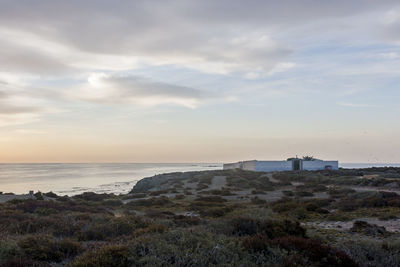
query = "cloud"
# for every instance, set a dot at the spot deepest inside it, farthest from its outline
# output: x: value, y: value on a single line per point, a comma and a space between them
x: 357, y: 105
x: 11, y: 109
x: 68, y: 40
x: 18, y: 106
x: 9, y: 104
x: 108, y: 88
x: 211, y: 36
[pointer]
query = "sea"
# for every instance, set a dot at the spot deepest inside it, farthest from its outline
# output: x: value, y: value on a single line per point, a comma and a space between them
x: 118, y: 178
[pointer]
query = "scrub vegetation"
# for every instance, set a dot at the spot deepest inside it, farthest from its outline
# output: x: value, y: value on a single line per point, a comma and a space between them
x: 213, y: 218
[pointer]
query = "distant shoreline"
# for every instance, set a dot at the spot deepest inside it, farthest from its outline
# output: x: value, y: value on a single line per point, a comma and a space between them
x: 6, y: 196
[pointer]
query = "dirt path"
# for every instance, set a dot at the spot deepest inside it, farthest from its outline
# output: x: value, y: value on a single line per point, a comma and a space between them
x: 218, y: 182
x: 390, y: 225
x: 271, y: 177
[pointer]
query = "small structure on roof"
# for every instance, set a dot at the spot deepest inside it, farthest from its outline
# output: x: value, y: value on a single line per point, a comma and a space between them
x: 306, y: 163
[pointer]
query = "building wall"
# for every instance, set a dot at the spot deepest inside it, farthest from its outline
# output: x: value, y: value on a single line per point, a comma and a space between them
x: 228, y: 166
x: 319, y: 165
x: 270, y: 166
x: 248, y: 165
x: 244, y: 165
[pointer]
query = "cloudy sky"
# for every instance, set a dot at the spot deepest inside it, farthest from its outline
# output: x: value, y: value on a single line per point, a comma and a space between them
x: 199, y: 81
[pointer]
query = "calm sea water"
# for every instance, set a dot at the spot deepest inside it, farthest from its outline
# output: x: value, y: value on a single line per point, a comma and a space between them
x: 74, y: 178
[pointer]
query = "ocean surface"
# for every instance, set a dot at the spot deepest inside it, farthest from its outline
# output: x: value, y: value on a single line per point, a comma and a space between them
x: 75, y: 178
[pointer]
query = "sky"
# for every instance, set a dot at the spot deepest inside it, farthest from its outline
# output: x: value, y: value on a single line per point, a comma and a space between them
x: 199, y: 81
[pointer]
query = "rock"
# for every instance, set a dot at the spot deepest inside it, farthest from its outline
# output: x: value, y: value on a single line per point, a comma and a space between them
x: 363, y: 227
x: 156, y: 181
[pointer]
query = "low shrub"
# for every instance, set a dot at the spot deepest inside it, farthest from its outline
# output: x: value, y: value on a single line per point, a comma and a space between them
x: 38, y: 196
x: 109, y: 228
x: 90, y: 196
x: 288, y: 193
x: 258, y: 201
x: 247, y: 226
x: 368, y: 229
x: 373, y: 252
x: 112, y: 202
x: 281, y: 207
x: 157, y: 193
x: 319, y: 188
x: 304, y: 194
x: 255, y: 192
x: 181, y: 220
x: 213, y: 199
x: 201, y: 186
x: 107, y: 256
x: 9, y: 251
x: 220, y: 192
x: 44, y: 248
x: 30, y: 206
x: 256, y: 243
x: 187, y: 192
x: 215, y: 211
x: 134, y: 196
x: 338, y: 192
x: 314, y: 251
x: 161, y: 201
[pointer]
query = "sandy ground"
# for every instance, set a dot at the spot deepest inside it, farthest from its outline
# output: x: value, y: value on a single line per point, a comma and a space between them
x: 271, y: 177
x: 375, y: 189
x: 390, y: 225
x: 217, y: 183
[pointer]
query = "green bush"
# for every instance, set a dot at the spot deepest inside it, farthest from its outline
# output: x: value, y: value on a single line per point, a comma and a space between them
x: 215, y: 211
x: 44, y: 248
x: 288, y: 193
x: 161, y: 201
x: 242, y: 226
x: 90, y: 196
x: 258, y: 201
x: 314, y: 251
x: 373, y: 252
x: 38, y: 196
x: 9, y: 251
x: 190, y: 248
x: 304, y: 194
x: 111, y: 228
x: 134, y: 196
x: 157, y: 193
x: 213, y: 199
x: 181, y: 220
x: 107, y: 256
x: 112, y: 202
x: 281, y: 207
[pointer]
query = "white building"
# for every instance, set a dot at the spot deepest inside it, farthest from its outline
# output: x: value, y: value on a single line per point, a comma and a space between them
x: 291, y: 164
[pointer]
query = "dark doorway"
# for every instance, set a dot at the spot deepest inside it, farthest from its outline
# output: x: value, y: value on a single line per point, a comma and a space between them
x: 296, y: 164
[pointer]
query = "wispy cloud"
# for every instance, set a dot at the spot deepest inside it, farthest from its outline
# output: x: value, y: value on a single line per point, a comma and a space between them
x: 357, y: 105
x: 128, y: 89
